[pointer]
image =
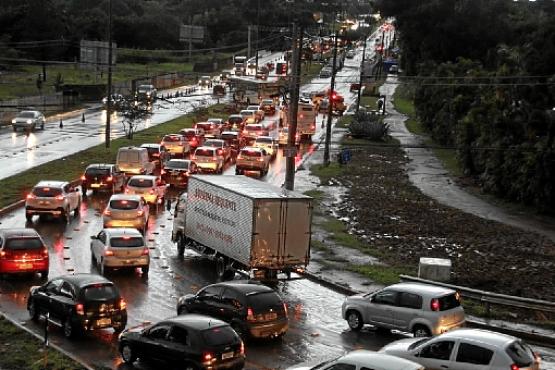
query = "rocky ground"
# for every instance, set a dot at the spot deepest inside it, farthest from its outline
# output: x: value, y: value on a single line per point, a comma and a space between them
x: 401, y: 225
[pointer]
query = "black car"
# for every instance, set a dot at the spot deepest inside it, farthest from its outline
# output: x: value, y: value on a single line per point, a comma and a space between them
x: 235, y: 122
x: 79, y: 303
x: 189, y: 341
x: 102, y: 176
x: 253, y: 310
x: 177, y: 171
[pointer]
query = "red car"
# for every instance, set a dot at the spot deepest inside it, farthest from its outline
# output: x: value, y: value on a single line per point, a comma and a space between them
x: 23, y: 251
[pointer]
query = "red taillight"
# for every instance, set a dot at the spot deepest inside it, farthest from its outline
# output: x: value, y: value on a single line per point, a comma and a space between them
x: 122, y: 304
x: 83, y: 178
x: 109, y: 179
x: 162, y: 142
x: 151, y: 191
x: 2, y: 254
x: 250, y: 315
x: 156, y: 154
x: 194, y: 140
x: 514, y: 367
x: 242, y: 348
x: 107, y: 212
x: 180, y: 144
x: 220, y: 151
x: 145, y: 252
x: 162, y: 172
x: 260, y: 159
x: 79, y: 309
x: 434, y: 304
x: 301, y: 115
x: 140, y: 213
x: 239, y: 156
x: 59, y: 197
x: 193, y: 157
x: 126, y: 190
x: 313, y: 127
x: 44, y: 252
x: 285, y: 308
x: 207, y: 357
x: 30, y: 196
x: 108, y: 252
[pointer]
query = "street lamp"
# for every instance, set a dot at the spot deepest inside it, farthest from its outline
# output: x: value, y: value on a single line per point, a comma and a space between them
x: 257, y: 35
x: 109, y: 88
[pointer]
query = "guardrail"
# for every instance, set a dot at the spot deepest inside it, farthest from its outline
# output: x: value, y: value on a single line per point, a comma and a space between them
x: 489, y: 298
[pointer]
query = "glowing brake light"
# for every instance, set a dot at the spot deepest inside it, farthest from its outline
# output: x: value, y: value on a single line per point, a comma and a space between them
x: 250, y: 315
x: 80, y: 309
x: 151, y: 191
x: 140, y: 213
x: 108, y: 252
x: 180, y: 144
x: 514, y: 367
x: 242, y: 348
x: 207, y: 357
x: 109, y: 178
x: 162, y: 172
x: 107, y: 212
x: 145, y: 252
x: 220, y: 151
x: 44, y: 252
x: 2, y: 254
x: 434, y: 304
x: 122, y: 304
x: 83, y: 178
x: 30, y: 196
x: 59, y: 197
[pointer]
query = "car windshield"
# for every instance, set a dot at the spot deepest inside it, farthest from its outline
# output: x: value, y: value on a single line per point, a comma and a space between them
x: 219, y: 336
x: 264, y: 140
x: 47, y: 192
x: 23, y: 243
x: 204, y: 124
x: 124, y: 204
x: 127, y: 242
x: 214, y: 143
x: 448, y: 302
x: 172, y: 138
x: 177, y: 164
x: 97, y: 171
x: 26, y: 114
x: 323, y: 364
x: 140, y: 183
x: 99, y: 292
x: 419, y: 342
x: 267, y: 102
x: 151, y: 150
x: 520, y: 353
x: 215, y: 120
x: 204, y: 152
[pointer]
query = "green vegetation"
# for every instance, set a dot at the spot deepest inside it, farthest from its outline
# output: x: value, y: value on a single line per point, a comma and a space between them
x: 314, y: 193
x: 21, y: 350
x: 403, y: 101
x: 326, y: 173
x: 310, y: 71
x: 344, y: 121
x: 71, y: 167
x: 385, y: 275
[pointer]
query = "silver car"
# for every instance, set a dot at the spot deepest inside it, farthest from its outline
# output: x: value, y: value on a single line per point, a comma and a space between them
x: 119, y: 248
x: 28, y: 120
x: 467, y: 349
x: 124, y: 210
x: 421, y: 309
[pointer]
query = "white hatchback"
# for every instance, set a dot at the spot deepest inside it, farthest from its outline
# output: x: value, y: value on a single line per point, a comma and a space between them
x: 363, y: 360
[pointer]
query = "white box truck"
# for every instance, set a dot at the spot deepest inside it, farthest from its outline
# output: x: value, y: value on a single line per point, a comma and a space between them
x: 244, y: 224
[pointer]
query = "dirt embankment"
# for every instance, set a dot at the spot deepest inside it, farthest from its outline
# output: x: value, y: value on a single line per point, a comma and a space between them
x: 404, y: 225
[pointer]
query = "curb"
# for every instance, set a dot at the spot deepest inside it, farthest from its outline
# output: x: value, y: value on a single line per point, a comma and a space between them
x: 50, y: 344
x: 531, y: 337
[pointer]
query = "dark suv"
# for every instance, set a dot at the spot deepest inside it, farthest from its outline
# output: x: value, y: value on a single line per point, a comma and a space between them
x: 102, y: 176
x: 189, y: 341
x: 253, y: 310
x: 78, y: 303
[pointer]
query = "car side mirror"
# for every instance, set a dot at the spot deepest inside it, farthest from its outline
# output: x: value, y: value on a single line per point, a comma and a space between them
x: 94, y: 237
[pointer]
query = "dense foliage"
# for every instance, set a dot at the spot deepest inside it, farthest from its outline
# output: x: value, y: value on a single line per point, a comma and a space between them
x: 368, y: 125
x: 484, y: 83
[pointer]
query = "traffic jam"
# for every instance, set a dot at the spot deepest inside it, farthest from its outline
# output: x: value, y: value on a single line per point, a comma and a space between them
x: 188, y: 252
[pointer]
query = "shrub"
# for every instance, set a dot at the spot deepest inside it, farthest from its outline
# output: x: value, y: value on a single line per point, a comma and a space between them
x: 369, y: 126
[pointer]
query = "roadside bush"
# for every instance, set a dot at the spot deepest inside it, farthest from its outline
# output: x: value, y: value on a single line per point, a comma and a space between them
x: 369, y: 126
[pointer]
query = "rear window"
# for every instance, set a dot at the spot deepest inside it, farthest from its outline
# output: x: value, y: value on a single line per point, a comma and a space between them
x: 219, y: 336
x: 264, y: 140
x: 204, y: 152
x: 188, y: 133
x: 264, y: 300
x: 124, y: 204
x: 448, y: 302
x: 253, y: 128
x: 230, y: 136
x: 520, y: 353
x: 46, y: 192
x: 172, y: 138
x: 128, y: 156
x: 204, y: 125
x: 267, y: 102
x: 23, y: 243
x: 251, y: 153
x: 100, y: 292
x: 97, y: 171
x: 151, y: 150
x: 176, y: 164
x: 121, y: 242
x: 141, y: 183
x: 214, y: 143
x: 235, y: 119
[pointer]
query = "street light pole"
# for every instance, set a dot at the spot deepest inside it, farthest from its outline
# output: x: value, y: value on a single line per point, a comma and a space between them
x: 257, y: 26
x: 109, y: 98
x: 330, y: 98
x: 361, y: 73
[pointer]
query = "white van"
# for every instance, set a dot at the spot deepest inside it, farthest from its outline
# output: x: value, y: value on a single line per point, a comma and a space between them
x: 134, y: 161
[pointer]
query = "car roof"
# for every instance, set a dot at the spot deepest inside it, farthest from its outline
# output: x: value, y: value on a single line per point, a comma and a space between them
x: 151, y: 145
x: 51, y: 184
x: 125, y: 197
x: 246, y: 288
x: 379, y: 361
x: 422, y: 289
x: 234, y: 133
x: 235, y: 116
x: 206, y: 148
x: 265, y: 138
x: 84, y: 279
x: 122, y: 231
x: 215, y: 119
x: 144, y: 177
x: 172, y: 135
x: 255, y: 125
x: 22, y: 232
x: 30, y: 111
x: 252, y: 148
x: 483, y: 336
x: 100, y: 165
x: 214, y: 140
x: 195, y: 321
x: 130, y: 148
x: 247, y: 110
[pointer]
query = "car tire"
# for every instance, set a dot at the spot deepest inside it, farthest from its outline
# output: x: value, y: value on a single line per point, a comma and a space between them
x: 29, y: 217
x: 42, y: 126
x: 180, y: 245
x: 84, y: 191
x: 127, y: 354
x: 33, y: 312
x: 68, y: 328
x: 145, y: 271
x: 354, y: 320
x: 421, y: 331
x: 119, y: 327
x: 65, y: 216
x: 237, y: 172
x: 44, y: 274
x: 77, y: 210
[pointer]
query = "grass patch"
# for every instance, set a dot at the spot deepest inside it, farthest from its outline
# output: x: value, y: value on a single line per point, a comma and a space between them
x: 448, y: 158
x: 20, y: 350
x: 71, y: 167
x: 326, y: 173
x: 318, y: 195
x: 344, y: 121
x: 309, y: 71
x: 381, y: 274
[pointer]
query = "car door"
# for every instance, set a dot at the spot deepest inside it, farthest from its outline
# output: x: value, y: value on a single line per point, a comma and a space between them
x: 179, y: 344
x: 436, y: 354
x: 379, y: 308
x: 472, y: 356
x: 154, y: 343
x: 208, y: 301
x: 61, y: 302
x: 43, y: 297
x: 98, y: 244
x: 409, y: 308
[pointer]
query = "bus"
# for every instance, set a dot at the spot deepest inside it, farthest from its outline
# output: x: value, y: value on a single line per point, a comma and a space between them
x: 239, y: 65
x: 249, y: 90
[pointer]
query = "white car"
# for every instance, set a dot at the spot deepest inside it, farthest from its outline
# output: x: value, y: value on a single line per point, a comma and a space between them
x: 363, y: 360
x: 467, y: 349
x: 125, y: 210
x: 151, y: 188
x: 267, y: 143
x: 29, y: 120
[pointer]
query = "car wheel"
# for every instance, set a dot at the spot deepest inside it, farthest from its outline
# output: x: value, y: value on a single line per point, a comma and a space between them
x: 127, y: 354
x: 145, y: 271
x: 119, y: 327
x: 84, y: 191
x: 42, y: 126
x: 44, y: 274
x: 77, y: 210
x: 33, y: 312
x: 237, y: 172
x: 180, y: 245
x: 354, y: 319
x: 69, y: 330
x: 29, y: 217
x: 65, y: 216
x: 421, y: 331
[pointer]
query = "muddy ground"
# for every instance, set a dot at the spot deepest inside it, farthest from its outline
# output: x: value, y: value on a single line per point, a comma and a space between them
x: 402, y: 225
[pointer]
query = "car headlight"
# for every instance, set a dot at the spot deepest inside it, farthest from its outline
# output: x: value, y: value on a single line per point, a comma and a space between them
x: 29, y: 121
x: 147, y: 94
x: 14, y: 121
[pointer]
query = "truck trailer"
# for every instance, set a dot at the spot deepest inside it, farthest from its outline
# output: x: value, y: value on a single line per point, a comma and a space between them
x: 244, y: 224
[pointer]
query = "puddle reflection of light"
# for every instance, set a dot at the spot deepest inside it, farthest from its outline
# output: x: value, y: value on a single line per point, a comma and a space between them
x: 31, y: 142
x: 59, y: 247
x: 14, y: 137
x: 298, y: 312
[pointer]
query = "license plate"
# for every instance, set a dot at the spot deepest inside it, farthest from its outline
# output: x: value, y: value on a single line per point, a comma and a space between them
x: 95, y: 185
x: 25, y: 266
x: 44, y: 202
x: 227, y: 355
x: 270, y: 316
x: 104, y: 322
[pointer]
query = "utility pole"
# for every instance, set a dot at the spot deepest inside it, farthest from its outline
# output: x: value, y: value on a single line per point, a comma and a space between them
x: 248, y: 44
x: 294, y: 85
x: 330, y: 99
x: 361, y: 73
x: 257, y: 35
x: 109, y: 99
